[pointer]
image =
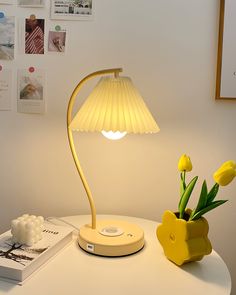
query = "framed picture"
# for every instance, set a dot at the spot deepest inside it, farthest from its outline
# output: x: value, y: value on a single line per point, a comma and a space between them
x: 72, y: 9
x: 226, y: 62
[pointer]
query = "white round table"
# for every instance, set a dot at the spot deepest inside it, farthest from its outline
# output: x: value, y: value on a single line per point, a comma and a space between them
x: 74, y: 271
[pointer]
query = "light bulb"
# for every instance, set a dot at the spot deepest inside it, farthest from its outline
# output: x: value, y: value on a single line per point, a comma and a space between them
x: 113, y: 135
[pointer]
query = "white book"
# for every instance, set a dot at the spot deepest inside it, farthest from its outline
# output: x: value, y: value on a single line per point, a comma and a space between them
x: 18, y: 262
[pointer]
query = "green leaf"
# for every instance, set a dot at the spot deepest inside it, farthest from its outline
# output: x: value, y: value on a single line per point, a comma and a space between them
x: 206, y: 209
x: 202, y: 202
x: 203, y: 197
x: 212, y: 193
x: 186, y: 196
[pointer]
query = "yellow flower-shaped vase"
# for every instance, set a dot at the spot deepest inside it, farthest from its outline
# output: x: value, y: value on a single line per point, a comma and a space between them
x: 183, y: 241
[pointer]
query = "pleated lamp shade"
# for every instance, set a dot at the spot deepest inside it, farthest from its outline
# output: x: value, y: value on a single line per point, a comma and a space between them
x: 114, y: 105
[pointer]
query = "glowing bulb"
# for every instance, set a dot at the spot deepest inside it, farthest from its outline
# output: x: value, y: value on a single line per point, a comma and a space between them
x: 113, y: 135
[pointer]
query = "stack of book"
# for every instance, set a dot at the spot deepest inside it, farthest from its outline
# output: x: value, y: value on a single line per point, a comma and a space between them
x: 18, y: 261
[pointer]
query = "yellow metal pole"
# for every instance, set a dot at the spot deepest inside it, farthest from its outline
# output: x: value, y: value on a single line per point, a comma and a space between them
x: 71, y: 140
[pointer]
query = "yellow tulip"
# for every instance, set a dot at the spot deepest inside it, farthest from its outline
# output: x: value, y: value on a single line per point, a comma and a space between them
x: 229, y: 164
x: 226, y: 173
x: 184, y: 163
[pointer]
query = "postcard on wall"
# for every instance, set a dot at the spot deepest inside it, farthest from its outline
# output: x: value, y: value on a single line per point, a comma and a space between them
x: 5, y: 89
x: 34, y: 36
x: 56, y: 41
x: 6, y: 1
x: 7, y: 37
x: 31, y: 91
x: 31, y: 3
x: 72, y: 9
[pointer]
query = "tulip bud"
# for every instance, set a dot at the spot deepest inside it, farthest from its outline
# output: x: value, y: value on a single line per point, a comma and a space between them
x: 185, y: 163
x: 231, y: 164
x: 225, y: 174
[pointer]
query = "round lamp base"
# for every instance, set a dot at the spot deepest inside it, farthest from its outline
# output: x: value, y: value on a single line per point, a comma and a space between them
x: 111, y: 238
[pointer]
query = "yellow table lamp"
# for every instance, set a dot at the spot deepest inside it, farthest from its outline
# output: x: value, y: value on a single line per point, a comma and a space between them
x: 115, y: 108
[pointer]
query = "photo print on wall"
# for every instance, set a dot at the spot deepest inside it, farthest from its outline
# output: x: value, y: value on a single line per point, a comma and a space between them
x: 6, y: 1
x: 31, y: 3
x: 72, y: 9
x: 31, y: 94
x: 56, y: 41
x: 7, y: 37
x: 34, y: 36
x: 5, y: 89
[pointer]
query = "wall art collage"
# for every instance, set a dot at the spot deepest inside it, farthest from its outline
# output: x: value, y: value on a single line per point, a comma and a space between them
x: 34, y: 38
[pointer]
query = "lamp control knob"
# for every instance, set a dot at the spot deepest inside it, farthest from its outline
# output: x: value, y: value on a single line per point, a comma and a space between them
x: 111, y: 231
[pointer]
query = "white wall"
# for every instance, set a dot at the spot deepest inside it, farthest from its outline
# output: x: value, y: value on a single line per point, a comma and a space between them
x: 169, y: 49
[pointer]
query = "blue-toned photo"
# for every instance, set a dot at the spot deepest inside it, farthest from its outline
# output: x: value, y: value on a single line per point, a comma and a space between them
x: 7, y: 38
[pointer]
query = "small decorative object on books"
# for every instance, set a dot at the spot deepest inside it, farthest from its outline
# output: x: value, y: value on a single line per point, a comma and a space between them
x: 18, y: 261
x: 183, y: 235
x: 27, y: 229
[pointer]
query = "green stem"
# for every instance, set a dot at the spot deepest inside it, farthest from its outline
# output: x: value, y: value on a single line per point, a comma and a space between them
x: 184, y: 174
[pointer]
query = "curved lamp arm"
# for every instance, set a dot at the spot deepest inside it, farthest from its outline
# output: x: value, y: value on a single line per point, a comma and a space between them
x: 71, y: 140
